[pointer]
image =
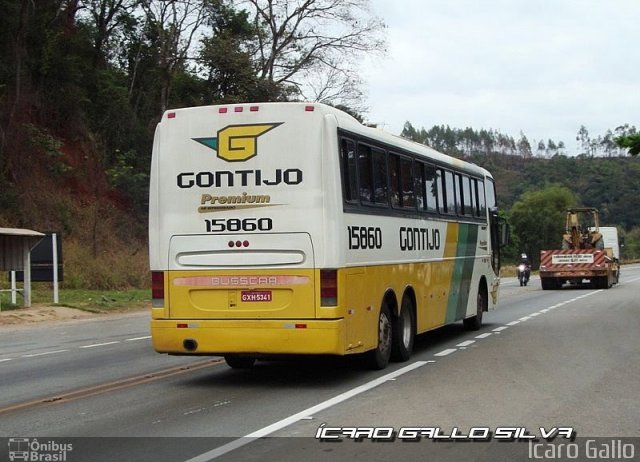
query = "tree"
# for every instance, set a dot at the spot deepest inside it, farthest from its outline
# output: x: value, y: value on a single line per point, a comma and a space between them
x: 313, y: 45
x: 631, y: 249
x: 226, y: 61
x: 524, y: 147
x: 552, y: 148
x: 538, y: 218
x: 107, y: 17
x: 630, y: 142
x: 175, y: 23
x: 584, y: 140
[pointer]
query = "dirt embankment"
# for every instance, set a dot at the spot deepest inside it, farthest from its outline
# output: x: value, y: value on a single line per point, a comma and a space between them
x: 42, y: 313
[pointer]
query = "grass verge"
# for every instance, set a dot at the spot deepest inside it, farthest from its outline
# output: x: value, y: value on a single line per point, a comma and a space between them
x: 94, y: 301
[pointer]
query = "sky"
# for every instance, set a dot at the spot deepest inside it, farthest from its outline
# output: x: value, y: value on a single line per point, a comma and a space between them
x: 541, y: 67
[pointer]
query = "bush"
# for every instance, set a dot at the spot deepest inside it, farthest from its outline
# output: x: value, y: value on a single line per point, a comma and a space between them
x: 113, y: 268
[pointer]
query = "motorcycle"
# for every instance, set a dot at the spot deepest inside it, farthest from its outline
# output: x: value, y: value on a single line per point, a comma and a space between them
x: 524, y: 271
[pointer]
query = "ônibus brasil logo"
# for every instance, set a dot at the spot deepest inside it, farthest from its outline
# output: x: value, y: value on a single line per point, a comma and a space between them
x: 237, y: 143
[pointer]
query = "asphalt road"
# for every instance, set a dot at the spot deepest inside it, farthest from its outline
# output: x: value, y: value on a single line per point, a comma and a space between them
x: 563, y: 359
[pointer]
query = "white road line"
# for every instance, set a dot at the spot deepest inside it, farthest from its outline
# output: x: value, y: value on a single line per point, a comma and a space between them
x: 100, y: 344
x: 535, y: 314
x: 526, y: 318
x: 137, y: 338
x: 226, y: 448
x: 513, y: 323
x: 5, y: 360
x: 446, y: 352
x: 629, y: 281
x: 500, y: 329
x: 43, y: 354
x: 485, y: 335
x: 466, y: 343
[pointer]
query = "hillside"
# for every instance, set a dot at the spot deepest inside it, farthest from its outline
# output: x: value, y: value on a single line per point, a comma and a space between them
x: 611, y: 184
x: 104, y: 232
x: 83, y: 84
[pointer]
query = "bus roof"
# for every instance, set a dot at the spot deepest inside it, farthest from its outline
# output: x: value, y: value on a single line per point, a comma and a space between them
x: 349, y: 123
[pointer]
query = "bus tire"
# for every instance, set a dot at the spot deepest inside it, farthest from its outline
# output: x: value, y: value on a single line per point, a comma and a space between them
x: 378, y: 358
x: 239, y: 361
x: 404, y: 332
x: 475, y: 322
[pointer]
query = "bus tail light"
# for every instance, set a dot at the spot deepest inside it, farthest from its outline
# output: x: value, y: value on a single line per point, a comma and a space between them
x: 328, y: 287
x: 157, y: 289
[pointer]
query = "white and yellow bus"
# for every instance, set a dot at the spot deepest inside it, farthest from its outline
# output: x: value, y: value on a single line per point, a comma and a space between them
x: 290, y: 228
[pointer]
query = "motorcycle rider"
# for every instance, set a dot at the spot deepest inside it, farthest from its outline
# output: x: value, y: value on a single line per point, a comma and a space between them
x: 524, y: 269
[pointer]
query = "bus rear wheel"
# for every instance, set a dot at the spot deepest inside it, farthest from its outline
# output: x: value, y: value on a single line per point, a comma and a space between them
x: 404, y: 331
x: 475, y: 322
x: 378, y: 358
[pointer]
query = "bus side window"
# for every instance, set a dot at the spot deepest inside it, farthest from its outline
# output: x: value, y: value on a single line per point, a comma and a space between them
x: 420, y: 186
x: 401, y: 182
x: 491, y: 193
x: 467, y: 198
x: 380, y: 176
x: 394, y: 180
x: 364, y: 173
x: 349, y: 178
x: 474, y: 197
x: 406, y: 184
x: 433, y: 189
x: 458, y: 186
x: 482, y: 207
x: 442, y: 203
x: 450, y: 193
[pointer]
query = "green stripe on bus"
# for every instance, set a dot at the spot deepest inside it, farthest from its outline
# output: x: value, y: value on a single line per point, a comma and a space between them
x: 462, y: 272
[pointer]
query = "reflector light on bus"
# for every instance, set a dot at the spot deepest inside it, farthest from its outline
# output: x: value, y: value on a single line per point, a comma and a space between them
x: 171, y: 115
x: 222, y: 110
x: 254, y: 108
x: 237, y: 109
x: 309, y: 108
x: 157, y: 289
x: 328, y: 287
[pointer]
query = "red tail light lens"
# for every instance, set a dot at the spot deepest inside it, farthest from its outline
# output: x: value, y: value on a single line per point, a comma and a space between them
x: 157, y: 289
x: 328, y: 287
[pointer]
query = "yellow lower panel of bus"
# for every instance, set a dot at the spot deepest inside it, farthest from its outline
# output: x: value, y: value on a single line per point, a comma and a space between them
x: 249, y: 336
x: 271, y: 293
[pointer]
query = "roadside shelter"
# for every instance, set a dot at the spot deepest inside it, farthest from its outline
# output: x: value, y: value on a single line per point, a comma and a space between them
x: 15, y: 254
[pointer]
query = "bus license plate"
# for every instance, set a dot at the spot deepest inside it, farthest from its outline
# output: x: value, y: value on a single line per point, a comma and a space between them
x: 255, y: 296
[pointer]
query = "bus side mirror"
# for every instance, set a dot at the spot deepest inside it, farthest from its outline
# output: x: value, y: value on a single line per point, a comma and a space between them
x: 504, y: 232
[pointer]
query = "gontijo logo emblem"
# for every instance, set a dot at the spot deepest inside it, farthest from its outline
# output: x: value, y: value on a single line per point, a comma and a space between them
x: 237, y: 143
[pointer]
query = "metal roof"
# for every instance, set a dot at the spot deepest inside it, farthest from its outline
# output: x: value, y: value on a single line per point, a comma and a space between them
x: 19, y: 232
x: 15, y: 243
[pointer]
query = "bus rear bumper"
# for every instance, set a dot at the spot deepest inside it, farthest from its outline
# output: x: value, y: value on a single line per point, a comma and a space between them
x: 223, y: 336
